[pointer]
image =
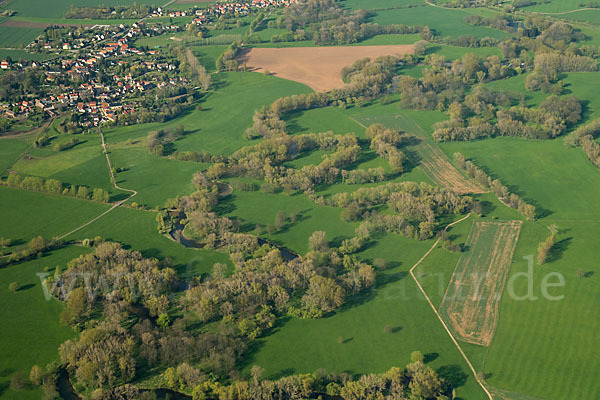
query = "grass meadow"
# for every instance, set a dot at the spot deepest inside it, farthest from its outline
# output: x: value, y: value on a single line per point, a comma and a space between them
x: 34, y: 333
x: 27, y: 214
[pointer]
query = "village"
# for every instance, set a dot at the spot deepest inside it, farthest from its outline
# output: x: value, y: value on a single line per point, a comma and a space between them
x: 100, y: 76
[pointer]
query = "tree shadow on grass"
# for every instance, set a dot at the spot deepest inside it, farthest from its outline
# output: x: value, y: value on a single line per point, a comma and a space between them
x: 226, y: 205
x: 429, y: 357
x: 26, y: 287
x: 453, y: 374
x: 556, y: 252
x: 255, y: 345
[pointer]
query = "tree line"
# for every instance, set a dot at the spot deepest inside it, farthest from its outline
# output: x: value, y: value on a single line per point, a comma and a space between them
x: 53, y: 186
x: 512, y: 200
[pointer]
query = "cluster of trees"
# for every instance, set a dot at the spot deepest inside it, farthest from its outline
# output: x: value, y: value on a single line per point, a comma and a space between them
x: 361, y: 176
x: 53, y: 186
x: 69, y: 125
x: 417, y: 381
x: 504, y: 22
x: 385, y: 142
x: 474, y: 119
x: 444, y: 83
x: 416, y: 208
x: 19, y: 85
x: 118, y: 12
x: 159, y: 142
x: 510, y: 199
x: 227, y: 61
x: 548, y: 66
x: 469, y: 41
x: 265, y: 123
x: 326, y: 23
x: 546, y: 245
x: 584, y: 137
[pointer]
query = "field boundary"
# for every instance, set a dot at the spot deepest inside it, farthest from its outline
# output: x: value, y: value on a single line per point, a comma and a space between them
x: 471, y: 301
x: 412, y: 274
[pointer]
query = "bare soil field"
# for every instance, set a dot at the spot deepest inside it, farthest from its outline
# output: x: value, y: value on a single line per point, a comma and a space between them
x: 470, y: 303
x: 317, y: 67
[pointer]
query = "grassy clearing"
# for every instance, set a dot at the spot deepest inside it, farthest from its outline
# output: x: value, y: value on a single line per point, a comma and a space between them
x: 236, y: 95
x: 323, y: 120
x: 23, y: 55
x: 471, y: 300
x: 454, y: 52
x: 261, y: 208
x: 428, y: 156
x: 556, y: 6
x: 381, y: 4
x: 207, y: 55
x: 32, y: 332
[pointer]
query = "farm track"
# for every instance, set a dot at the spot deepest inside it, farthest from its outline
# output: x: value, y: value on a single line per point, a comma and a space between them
x: 412, y: 274
x: 114, y: 183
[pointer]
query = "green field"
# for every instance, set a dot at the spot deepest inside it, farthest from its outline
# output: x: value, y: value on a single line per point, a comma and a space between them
x: 534, y: 348
x: 155, y: 179
x: 445, y: 22
x: 518, y: 344
x: 10, y: 151
x: 34, y: 334
x: 27, y: 214
x: 17, y: 37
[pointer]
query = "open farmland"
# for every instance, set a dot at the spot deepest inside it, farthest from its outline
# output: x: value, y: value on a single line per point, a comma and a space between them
x: 475, y: 289
x: 317, y: 67
x: 285, y: 232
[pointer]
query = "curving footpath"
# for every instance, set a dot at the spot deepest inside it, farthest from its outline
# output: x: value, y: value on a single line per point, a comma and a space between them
x: 440, y: 317
x: 114, y: 183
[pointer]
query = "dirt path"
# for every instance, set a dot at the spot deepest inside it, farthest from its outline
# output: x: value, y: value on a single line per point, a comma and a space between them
x: 412, y: 273
x: 114, y: 183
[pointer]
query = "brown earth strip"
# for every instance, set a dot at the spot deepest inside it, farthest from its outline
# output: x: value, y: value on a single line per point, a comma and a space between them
x: 473, y: 295
x: 317, y: 67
